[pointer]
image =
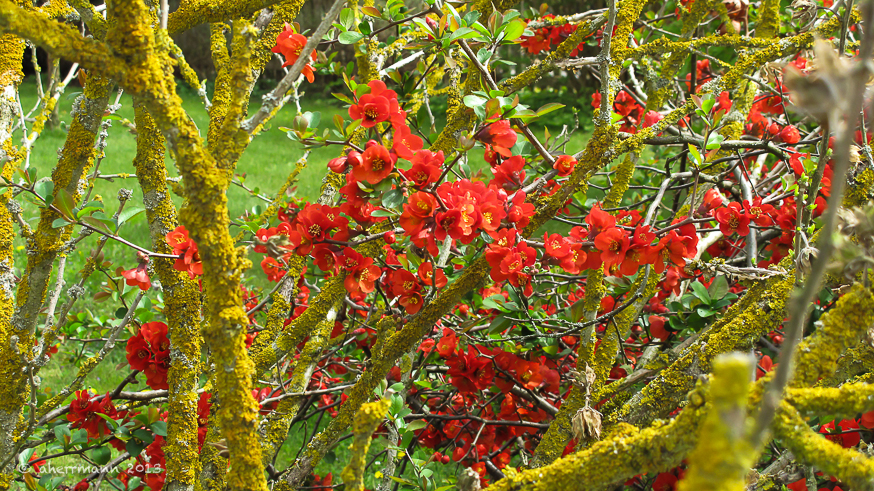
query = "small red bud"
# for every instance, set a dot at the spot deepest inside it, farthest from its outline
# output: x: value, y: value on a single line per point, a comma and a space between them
x: 389, y: 238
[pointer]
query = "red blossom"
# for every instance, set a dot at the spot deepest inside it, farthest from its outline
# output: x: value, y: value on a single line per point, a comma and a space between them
x: 376, y: 164
x: 499, y: 135
x: 732, y: 218
x: 374, y: 107
x: 289, y: 43
x: 564, y: 164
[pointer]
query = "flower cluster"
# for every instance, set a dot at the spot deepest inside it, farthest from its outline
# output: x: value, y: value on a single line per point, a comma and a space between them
x: 85, y: 410
x: 546, y: 37
x: 631, y: 111
x: 149, y: 352
x: 289, y: 43
x: 184, y: 247
x: 138, y: 276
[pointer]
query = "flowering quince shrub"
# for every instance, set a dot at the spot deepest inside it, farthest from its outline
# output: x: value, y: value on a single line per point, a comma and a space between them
x: 684, y: 303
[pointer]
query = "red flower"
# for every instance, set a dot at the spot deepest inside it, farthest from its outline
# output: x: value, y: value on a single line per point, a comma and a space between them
x: 362, y: 273
x: 290, y: 44
x: 657, y: 328
x: 376, y: 164
x: 598, y: 221
x: 758, y: 212
x: 733, y: 219
x: 847, y: 438
x: 324, y: 258
x: 499, y: 135
x: 419, y: 206
x: 411, y: 302
x: 712, y: 200
x: 651, y: 118
x: 723, y: 102
x: 138, y: 354
x: 272, y: 269
x: 426, y: 167
x: 403, y: 283
x: 470, y: 372
x: 576, y: 260
x: 446, y: 345
x: 189, y: 258
x: 521, y: 212
x: 670, y: 251
x: 564, y: 165
x: 405, y: 143
x: 374, y: 107
x: 427, y: 274
x: 556, y: 245
x: 138, y: 276
x: 790, y: 135
x: 510, y: 174
x: 613, y: 244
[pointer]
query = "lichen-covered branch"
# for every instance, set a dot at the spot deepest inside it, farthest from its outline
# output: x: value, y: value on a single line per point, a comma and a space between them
x: 366, y: 421
x: 724, y: 454
x: 182, y: 300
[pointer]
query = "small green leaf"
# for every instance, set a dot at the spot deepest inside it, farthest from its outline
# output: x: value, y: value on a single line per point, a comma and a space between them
x: 129, y: 213
x: 463, y: 33
x: 350, y: 37
x: 700, y: 291
x: 718, y: 288
x: 514, y: 30
x: 474, y: 101
x: 97, y: 225
x: 101, y: 455
x: 548, y: 108
x: 393, y: 199
x: 64, y: 203
x: 159, y: 427
x: 44, y: 189
x: 60, y: 222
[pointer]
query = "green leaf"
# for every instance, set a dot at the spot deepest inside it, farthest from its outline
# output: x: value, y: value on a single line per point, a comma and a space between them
x: 60, y: 222
x: 714, y: 141
x: 696, y: 155
x: 463, y: 33
x: 159, y: 427
x: 514, y: 30
x: 97, y: 225
x: 548, y: 108
x: 493, y: 302
x: 718, y: 288
x: 345, y: 98
x: 700, y: 291
x: 474, y: 101
x: 704, y: 311
x: 483, y: 55
x: 499, y: 324
x: 393, y: 199
x: 101, y: 455
x: 129, y: 213
x: 350, y: 37
x: 382, y: 213
x: 64, y: 203
x: 134, y: 447
x: 417, y: 424
x: 44, y: 189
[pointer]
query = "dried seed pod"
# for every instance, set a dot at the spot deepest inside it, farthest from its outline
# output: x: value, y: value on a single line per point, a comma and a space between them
x: 586, y: 424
